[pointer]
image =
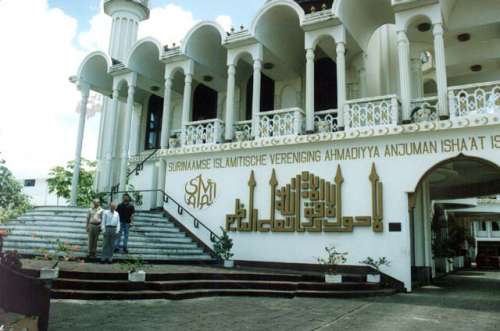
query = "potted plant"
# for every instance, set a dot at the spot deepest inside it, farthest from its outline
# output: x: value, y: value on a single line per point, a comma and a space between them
x: 135, y: 267
x: 376, y: 264
x: 62, y: 252
x: 323, y: 126
x: 222, y: 248
x: 173, y: 141
x: 332, y: 260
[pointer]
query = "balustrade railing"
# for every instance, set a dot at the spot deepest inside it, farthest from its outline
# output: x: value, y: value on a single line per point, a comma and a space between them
x: 372, y: 112
x: 474, y: 99
x: 204, y: 132
x: 424, y: 110
x: 326, y: 121
x: 243, y: 130
x: 283, y: 122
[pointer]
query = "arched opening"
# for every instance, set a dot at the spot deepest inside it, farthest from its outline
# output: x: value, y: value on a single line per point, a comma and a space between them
x: 154, y: 123
x: 325, y: 84
x: 204, y: 103
x: 447, y: 216
x: 267, y: 89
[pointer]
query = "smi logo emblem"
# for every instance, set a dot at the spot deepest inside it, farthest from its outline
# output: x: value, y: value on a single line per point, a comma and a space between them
x: 200, y: 192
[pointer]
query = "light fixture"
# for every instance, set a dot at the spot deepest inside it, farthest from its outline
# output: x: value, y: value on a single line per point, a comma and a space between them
x: 476, y: 67
x: 463, y: 37
x: 208, y: 78
x: 155, y: 88
x: 268, y: 66
x: 424, y: 27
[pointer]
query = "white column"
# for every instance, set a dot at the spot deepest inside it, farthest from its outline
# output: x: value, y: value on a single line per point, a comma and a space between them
x: 110, y: 138
x: 186, y: 104
x: 310, y: 90
x: 418, y: 78
x: 441, y: 80
x: 231, y: 81
x: 167, y: 113
x: 84, y: 90
x: 341, y: 83
x: 257, y: 68
x: 404, y: 73
x: 162, y: 172
x: 126, y: 138
x: 363, y: 77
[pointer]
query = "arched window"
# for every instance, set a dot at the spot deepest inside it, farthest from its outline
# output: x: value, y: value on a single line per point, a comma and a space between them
x: 495, y: 226
x: 325, y: 84
x: 153, y: 123
x: 483, y: 226
x: 204, y: 103
x: 266, y: 95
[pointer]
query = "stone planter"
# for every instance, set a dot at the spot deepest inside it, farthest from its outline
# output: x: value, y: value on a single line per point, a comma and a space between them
x: 137, y: 277
x: 228, y: 264
x: 333, y: 278
x: 373, y: 278
x: 240, y: 136
x: 172, y: 142
x: 49, y: 273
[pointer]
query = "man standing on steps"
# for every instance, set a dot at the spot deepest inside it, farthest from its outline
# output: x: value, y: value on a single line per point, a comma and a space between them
x: 110, y: 226
x: 94, y: 218
x: 126, y: 211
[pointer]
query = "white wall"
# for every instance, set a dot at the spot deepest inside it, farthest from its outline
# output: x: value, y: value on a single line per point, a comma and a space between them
x: 40, y: 195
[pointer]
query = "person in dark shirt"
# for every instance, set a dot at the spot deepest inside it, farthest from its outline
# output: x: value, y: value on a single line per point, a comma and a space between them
x: 126, y: 211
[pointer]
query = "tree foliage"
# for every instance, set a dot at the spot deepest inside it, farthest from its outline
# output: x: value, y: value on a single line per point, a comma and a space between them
x: 13, y: 202
x: 60, y: 177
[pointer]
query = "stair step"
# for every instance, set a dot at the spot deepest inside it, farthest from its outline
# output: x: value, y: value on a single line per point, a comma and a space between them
x: 18, y: 235
x: 110, y: 285
x: 132, y: 243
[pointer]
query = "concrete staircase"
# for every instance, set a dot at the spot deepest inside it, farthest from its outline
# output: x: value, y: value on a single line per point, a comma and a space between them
x: 153, y: 237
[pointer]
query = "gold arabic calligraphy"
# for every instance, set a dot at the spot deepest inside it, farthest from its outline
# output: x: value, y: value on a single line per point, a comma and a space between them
x: 318, y: 200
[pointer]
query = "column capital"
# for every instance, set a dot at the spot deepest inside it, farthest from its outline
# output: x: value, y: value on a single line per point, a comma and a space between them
x: 168, y: 83
x: 188, y: 79
x: 84, y: 88
x: 310, y: 54
x: 437, y: 29
x: 402, y: 37
x: 116, y: 93
x: 340, y: 48
x: 257, y: 64
x: 131, y: 89
x: 231, y: 69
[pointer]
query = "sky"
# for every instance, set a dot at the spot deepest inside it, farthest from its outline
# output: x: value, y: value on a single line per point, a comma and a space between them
x: 42, y: 44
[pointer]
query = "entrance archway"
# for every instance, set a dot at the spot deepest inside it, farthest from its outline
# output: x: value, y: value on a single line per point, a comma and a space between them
x: 437, y: 235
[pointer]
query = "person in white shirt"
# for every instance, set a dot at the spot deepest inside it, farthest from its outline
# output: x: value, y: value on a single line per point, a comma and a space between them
x: 110, y: 227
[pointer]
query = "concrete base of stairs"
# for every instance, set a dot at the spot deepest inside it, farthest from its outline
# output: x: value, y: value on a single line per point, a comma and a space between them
x: 89, y: 281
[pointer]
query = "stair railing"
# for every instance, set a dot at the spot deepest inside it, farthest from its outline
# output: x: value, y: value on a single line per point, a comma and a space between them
x: 180, y: 209
x: 137, y: 170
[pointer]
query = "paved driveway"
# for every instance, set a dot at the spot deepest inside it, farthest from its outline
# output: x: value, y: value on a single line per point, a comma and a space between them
x: 469, y: 300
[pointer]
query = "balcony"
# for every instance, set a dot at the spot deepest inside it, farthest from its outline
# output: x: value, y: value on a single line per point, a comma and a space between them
x: 243, y: 130
x: 283, y: 122
x: 424, y: 110
x: 372, y: 112
x: 206, y: 132
x: 474, y: 99
x: 326, y: 121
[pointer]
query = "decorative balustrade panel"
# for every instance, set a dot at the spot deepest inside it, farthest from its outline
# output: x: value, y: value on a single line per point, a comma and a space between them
x: 243, y: 130
x: 279, y: 123
x: 203, y: 132
x: 372, y: 112
x: 424, y: 110
x: 474, y: 99
x: 326, y: 121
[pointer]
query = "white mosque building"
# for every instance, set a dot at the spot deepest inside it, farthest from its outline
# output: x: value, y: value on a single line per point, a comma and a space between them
x: 323, y: 122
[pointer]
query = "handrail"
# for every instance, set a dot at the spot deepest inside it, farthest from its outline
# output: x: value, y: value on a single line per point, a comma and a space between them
x: 138, y: 168
x: 180, y: 210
